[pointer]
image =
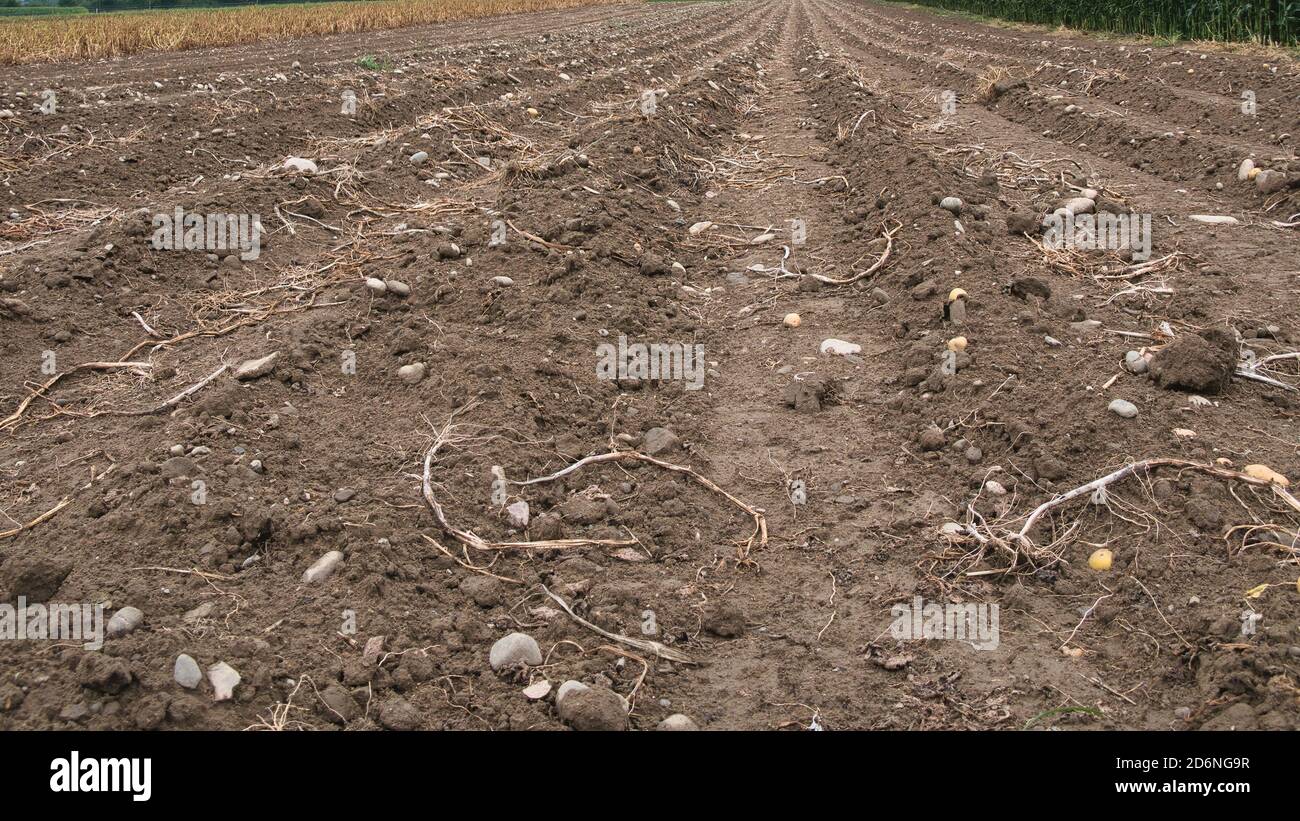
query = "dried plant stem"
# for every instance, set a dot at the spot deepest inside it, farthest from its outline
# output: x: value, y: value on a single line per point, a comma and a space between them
x: 660, y: 650
x: 1141, y: 467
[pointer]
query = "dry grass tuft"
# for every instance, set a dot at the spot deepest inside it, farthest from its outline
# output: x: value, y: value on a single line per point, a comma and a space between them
x: 94, y: 36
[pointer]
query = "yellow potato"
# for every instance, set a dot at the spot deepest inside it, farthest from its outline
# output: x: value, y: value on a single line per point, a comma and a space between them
x: 1266, y: 474
x: 957, y: 343
x: 1101, y: 559
x: 792, y: 320
x: 956, y: 294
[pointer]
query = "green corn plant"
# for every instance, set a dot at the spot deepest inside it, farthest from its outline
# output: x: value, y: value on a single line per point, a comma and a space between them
x: 1272, y: 22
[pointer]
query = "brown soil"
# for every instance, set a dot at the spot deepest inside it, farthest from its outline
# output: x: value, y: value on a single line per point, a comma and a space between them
x: 825, y: 111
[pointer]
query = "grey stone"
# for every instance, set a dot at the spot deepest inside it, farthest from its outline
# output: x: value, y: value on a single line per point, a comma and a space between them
x: 677, y: 722
x: 1123, y: 407
x: 517, y: 514
x: 186, y: 672
x: 323, y: 568
x: 658, y: 440
x: 124, y: 621
x: 1135, y: 362
x: 515, y: 648
x: 254, y: 368
x: 412, y: 374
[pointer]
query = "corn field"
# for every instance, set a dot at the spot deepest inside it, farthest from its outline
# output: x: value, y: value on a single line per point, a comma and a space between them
x: 74, y: 37
x: 1262, y: 21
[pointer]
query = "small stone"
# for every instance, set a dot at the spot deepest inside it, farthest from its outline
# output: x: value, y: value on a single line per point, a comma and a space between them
x: 677, y: 722
x: 1124, y: 408
x: 995, y: 488
x: 514, y: 649
x: 397, y: 288
x: 503, y: 281
x: 198, y: 613
x: 517, y: 514
x: 254, y: 368
x: 1079, y: 205
x: 952, y: 204
x: 376, y: 286
x: 974, y: 454
x: 839, y: 347
x: 1270, y: 182
x: 299, y: 165
x: 412, y: 374
x: 1135, y: 362
x: 344, y: 494
x: 124, y: 621
x: 925, y: 290
x: 419, y: 157
x: 178, y: 466
x: 537, y: 690
x: 223, y: 679
x: 1052, y: 342
x: 176, y: 450
x: 323, y: 568
x: 186, y: 672
x: 658, y: 440
x: 567, y: 689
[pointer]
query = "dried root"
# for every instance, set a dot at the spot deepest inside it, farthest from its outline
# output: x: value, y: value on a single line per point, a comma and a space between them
x: 449, y: 433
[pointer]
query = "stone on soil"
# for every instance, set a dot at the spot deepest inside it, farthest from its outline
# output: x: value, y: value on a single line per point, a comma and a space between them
x: 254, y: 368
x: 224, y: 679
x: 323, y: 568
x: 186, y: 672
x: 515, y: 649
x: 124, y: 621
